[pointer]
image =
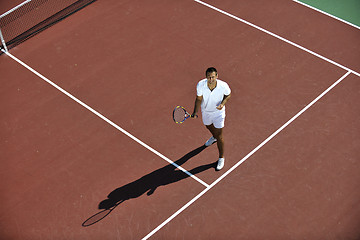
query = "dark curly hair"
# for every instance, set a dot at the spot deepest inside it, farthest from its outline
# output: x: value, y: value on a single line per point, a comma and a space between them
x: 210, y: 70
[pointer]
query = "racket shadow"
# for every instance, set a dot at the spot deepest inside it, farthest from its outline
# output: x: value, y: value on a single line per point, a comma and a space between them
x: 147, y: 184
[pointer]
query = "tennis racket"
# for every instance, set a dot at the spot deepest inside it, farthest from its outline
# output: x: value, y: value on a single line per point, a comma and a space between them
x: 180, y: 114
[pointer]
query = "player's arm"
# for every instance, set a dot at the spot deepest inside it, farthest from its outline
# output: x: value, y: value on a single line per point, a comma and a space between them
x: 197, y: 106
x: 223, y: 102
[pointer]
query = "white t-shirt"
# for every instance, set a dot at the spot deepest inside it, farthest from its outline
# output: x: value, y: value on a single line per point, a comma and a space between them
x: 212, y: 99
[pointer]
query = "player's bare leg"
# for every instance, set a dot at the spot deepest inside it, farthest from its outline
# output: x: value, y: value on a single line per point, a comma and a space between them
x: 218, y: 135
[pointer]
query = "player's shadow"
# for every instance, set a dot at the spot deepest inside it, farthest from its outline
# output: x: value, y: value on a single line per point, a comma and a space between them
x: 147, y: 184
x: 150, y: 182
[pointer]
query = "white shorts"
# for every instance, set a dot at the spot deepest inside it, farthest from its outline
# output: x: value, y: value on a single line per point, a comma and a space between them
x: 217, y: 118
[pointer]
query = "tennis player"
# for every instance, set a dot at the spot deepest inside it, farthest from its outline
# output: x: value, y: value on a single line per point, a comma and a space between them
x: 212, y: 95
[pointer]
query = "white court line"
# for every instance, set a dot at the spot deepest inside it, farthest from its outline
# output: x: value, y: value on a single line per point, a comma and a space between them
x: 14, y: 8
x: 208, y: 187
x: 245, y: 158
x: 105, y: 119
x: 278, y: 37
x: 349, y: 71
x: 327, y: 14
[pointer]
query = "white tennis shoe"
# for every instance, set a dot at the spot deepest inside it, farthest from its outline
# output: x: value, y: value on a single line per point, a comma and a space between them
x: 220, y: 164
x: 210, y: 141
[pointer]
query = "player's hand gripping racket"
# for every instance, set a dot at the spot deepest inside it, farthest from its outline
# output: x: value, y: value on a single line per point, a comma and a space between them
x: 180, y: 114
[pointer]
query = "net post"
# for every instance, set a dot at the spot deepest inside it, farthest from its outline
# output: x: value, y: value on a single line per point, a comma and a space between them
x: 3, y: 41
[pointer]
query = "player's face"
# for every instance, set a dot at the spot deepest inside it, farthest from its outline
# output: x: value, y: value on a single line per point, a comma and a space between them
x: 211, y: 77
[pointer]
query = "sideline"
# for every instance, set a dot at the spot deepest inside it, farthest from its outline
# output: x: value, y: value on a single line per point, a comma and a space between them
x: 327, y: 14
x: 105, y: 119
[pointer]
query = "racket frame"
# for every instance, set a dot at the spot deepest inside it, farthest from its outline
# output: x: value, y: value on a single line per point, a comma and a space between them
x: 104, y: 213
x: 186, y: 116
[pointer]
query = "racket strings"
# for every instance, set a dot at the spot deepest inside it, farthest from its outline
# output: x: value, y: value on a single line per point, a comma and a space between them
x: 179, y: 114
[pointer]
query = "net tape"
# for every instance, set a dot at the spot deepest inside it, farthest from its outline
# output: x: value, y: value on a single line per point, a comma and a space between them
x: 33, y: 17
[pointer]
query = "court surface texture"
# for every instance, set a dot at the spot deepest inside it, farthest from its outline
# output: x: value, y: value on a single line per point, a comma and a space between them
x: 86, y: 123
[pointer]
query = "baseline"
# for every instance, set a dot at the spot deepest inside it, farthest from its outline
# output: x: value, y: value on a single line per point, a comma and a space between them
x: 278, y: 37
x: 105, y: 119
x: 247, y: 156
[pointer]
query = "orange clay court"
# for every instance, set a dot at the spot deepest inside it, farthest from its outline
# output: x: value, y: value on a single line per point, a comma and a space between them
x: 86, y: 117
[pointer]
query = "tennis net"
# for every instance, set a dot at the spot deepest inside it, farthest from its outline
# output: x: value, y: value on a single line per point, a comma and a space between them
x: 33, y: 16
